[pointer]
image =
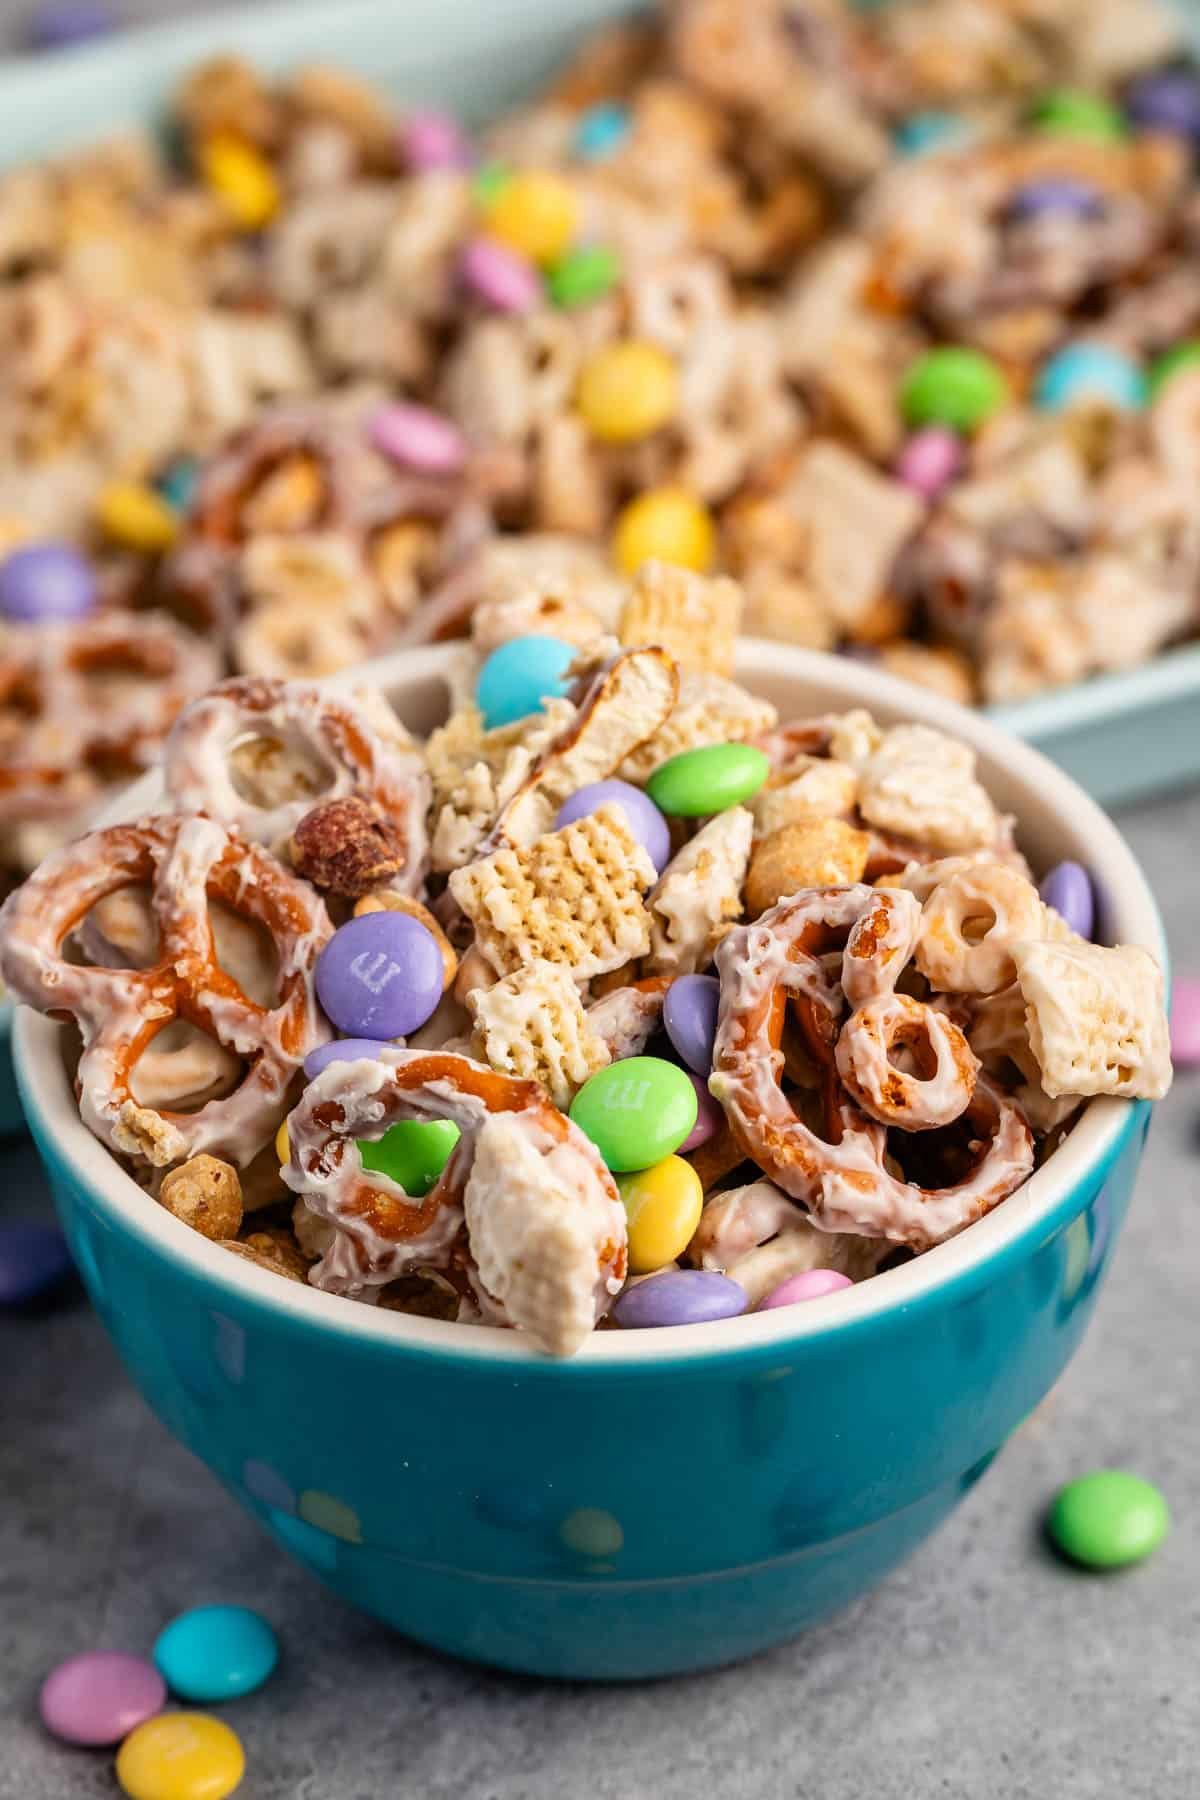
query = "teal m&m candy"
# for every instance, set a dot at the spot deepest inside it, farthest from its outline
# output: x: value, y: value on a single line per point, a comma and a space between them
x: 953, y: 386
x: 708, y: 780
x: 636, y: 1112
x: 586, y: 274
x: 216, y: 1653
x: 601, y: 130
x: 1179, y: 356
x: 412, y: 1153
x: 1071, y: 112
x: 519, y: 676
x: 1108, y: 1519
x: 1092, y: 374
x: 925, y: 131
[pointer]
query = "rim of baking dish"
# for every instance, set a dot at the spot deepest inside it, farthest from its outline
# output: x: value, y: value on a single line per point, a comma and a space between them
x: 1053, y: 1194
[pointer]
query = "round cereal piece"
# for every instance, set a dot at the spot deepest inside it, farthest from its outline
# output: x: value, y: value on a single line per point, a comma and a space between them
x: 810, y: 853
x: 969, y: 927
x: 206, y: 1194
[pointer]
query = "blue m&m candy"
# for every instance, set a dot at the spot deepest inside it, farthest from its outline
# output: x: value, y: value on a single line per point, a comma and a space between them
x: 520, y: 676
x: 925, y: 131
x: 1090, y: 373
x: 601, y: 130
x: 216, y: 1653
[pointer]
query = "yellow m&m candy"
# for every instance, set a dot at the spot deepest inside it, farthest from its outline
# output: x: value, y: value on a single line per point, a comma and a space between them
x: 627, y: 391
x: 283, y: 1146
x: 534, y: 213
x: 134, y: 516
x: 665, y: 525
x: 663, y: 1206
x: 244, y: 180
x: 180, y: 1756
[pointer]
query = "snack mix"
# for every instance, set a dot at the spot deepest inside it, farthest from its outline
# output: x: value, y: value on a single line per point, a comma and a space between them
x: 893, y: 315
x: 617, y: 1001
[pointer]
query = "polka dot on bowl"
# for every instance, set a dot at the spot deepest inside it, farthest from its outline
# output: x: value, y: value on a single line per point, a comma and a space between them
x: 313, y: 1547
x: 229, y: 1348
x: 266, y: 1484
x: 331, y: 1515
x: 1078, y: 1248
x: 590, y: 1531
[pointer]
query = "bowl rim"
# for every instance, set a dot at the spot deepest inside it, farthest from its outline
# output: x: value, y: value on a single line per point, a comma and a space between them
x: 1037, y: 1211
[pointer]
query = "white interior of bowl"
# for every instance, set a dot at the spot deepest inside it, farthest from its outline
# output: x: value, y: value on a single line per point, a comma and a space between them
x: 1056, y: 820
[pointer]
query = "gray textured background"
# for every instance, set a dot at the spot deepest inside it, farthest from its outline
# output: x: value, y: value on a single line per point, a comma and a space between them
x: 982, y: 1670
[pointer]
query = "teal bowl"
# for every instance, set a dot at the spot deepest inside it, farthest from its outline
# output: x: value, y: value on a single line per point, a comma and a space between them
x: 667, y: 1500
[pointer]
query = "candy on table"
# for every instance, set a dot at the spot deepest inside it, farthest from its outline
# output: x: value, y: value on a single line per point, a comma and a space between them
x: 216, y: 1653
x: 1108, y: 1519
x: 1185, y: 1021
x: 520, y: 676
x: 679, y: 1297
x: 535, y: 213
x: 41, y: 582
x: 180, y: 1756
x: 380, y: 975
x: 698, y: 782
x: 499, y: 276
x: 690, y: 1019
x: 601, y: 130
x: 1067, y: 887
x: 418, y: 438
x: 136, y: 517
x: 1090, y: 374
x: 99, y: 1697
x: 666, y: 525
x: 812, y: 1284
x: 34, y: 1260
x: 663, y: 1204
x: 954, y: 386
x: 645, y: 820
x: 584, y: 275
x: 627, y: 391
x: 636, y: 1112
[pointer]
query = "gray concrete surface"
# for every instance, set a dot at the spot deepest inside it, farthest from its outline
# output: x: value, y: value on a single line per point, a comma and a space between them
x: 983, y: 1670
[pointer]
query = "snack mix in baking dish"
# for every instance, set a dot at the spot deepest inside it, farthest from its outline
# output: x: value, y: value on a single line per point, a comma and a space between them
x: 631, y: 981
x: 893, y: 314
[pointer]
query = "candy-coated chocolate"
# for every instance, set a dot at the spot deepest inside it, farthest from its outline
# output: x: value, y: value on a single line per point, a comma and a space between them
x: 136, y: 517
x: 627, y: 391
x: 216, y: 1653
x: 342, y: 1050
x: 433, y: 140
x: 1067, y: 887
x: 380, y: 975
x: 41, y: 582
x: 925, y: 131
x: 535, y: 213
x: 99, y: 1696
x: 283, y: 1143
x: 663, y: 1206
x: 601, y: 130
x: 1166, y: 100
x: 585, y: 275
x: 33, y: 1260
x: 178, y: 483
x: 690, y: 1019
x: 668, y: 525
x: 1071, y: 112
x: 1055, y: 196
x: 636, y: 1111
x: 813, y: 1284
x: 419, y: 438
x: 488, y: 180
x: 1185, y: 1021
x: 1108, y: 1519
x: 519, y: 676
x: 57, y: 24
x: 412, y: 1152
x: 1093, y: 373
x: 180, y: 1756
x: 243, y: 178
x: 645, y: 821
x: 1179, y: 356
x: 679, y: 1297
x: 710, y: 1117
x: 930, y: 460
x: 954, y: 386
x: 499, y: 277
x: 698, y: 782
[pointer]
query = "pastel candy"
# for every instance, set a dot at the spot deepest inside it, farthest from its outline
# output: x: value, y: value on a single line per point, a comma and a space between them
x: 1055, y: 195
x: 953, y: 385
x: 645, y: 821
x: 698, y: 782
x: 813, y: 1284
x: 1108, y: 1519
x: 1090, y: 372
x: 419, y: 438
x: 342, y: 1050
x: 216, y: 1653
x: 412, y: 1152
x: 601, y: 130
x: 498, y: 276
x: 40, y: 582
x: 1166, y: 100
x: 380, y: 975
x: 690, y: 1019
x: 663, y: 1206
x: 636, y: 1111
x: 1068, y: 889
x: 679, y: 1297
x: 520, y: 676
x: 710, y: 1117
x: 1185, y: 1021
x: 433, y: 140
x: 100, y: 1696
x: 930, y: 460
x: 180, y: 1756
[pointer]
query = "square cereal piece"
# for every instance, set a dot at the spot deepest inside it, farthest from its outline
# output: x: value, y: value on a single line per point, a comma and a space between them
x: 1097, y: 1024
x: 699, y: 895
x: 921, y: 784
x: 709, y: 710
x: 532, y: 1024
x: 573, y: 896
x: 694, y: 619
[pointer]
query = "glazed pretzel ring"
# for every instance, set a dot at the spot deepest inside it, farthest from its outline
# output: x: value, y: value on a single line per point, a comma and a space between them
x: 380, y: 1232
x: 199, y: 776
x: 843, y: 1178
x: 940, y: 1088
x: 186, y: 861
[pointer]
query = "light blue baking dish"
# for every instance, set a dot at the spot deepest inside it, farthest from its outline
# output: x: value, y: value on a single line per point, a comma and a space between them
x: 1119, y: 736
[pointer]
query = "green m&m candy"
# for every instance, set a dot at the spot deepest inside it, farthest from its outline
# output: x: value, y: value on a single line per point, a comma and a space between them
x: 1179, y: 356
x: 703, y: 781
x: 1071, y: 112
x: 953, y: 386
x: 489, y: 182
x: 586, y: 274
x: 636, y: 1112
x: 413, y: 1152
x: 1108, y: 1519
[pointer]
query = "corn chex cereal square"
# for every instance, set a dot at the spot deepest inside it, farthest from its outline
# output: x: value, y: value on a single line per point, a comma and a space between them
x: 694, y: 619
x: 532, y: 1024
x: 1097, y: 1024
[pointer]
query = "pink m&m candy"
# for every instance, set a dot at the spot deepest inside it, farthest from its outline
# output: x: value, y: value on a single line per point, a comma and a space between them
x: 1185, y: 1021
x: 99, y: 1697
x: 814, y: 1284
x: 500, y: 277
x: 930, y: 460
x: 433, y: 140
x: 710, y: 1116
x: 419, y: 438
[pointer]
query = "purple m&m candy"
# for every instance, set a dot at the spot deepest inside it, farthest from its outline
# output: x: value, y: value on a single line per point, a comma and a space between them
x: 645, y: 821
x: 419, y: 438
x: 380, y: 975
x: 813, y: 1284
x: 59, y: 23
x: 1068, y: 889
x: 679, y: 1297
x: 33, y: 1259
x: 342, y: 1050
x: 500, y: 277
x: 1166, y: 100
x: 40, y: 582
x: 709, y: 1117
x: 433, y: 140
x: 99, y: 1698
x: 1055, y: 194
x: 690, y: 1019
